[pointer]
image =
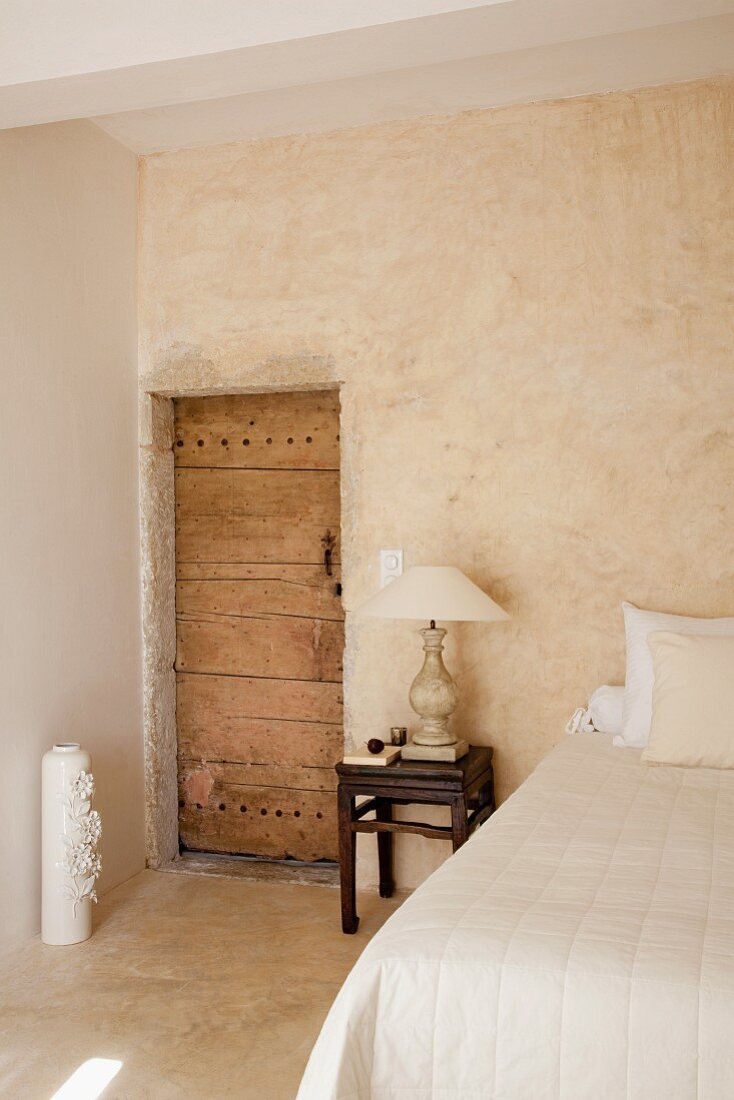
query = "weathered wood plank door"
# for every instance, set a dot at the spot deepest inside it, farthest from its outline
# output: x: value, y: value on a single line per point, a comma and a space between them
x: 260, y: 630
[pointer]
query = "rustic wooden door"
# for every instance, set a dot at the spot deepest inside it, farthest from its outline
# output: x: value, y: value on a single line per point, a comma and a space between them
x: 260, y: 631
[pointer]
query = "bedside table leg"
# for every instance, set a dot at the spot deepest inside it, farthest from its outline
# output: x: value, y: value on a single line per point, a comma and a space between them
x: 383, y: 812
x: 486, y: 794
x: 347, y: 862
x: 459, y: 821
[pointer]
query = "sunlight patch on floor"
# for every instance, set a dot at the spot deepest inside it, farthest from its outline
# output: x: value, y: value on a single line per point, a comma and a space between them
x: 89, y: 1081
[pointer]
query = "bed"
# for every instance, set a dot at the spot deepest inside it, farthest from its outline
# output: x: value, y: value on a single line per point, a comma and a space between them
x: 580, y: 946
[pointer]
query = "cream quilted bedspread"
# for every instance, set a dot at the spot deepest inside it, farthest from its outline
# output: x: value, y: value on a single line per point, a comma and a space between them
x: 579, y: 947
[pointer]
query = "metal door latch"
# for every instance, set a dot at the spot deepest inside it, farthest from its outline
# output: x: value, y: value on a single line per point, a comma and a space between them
x: 328, y: 542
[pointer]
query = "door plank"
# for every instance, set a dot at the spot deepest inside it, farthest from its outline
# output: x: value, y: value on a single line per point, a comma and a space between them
x: 311, y: 495
x: 256, y: 515
x: 239, y: 571
x: 296, y: 777
x: 265, y: 742
x: 267, y: 645
x: 220, y: 702
x: 298, y: 431
x: 240, y: 539
x: 310, y: 597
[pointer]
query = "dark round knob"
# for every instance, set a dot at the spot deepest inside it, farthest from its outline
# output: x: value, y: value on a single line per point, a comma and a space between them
x: 375, y: 745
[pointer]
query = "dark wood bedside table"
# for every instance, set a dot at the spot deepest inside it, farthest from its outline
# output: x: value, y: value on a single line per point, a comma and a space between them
x: 467, y: 786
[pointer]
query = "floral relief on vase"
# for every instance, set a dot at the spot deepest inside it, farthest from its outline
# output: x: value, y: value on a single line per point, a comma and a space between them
x: 82, y: 830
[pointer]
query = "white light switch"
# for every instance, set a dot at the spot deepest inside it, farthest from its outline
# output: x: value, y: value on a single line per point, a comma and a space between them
x: 391, y: 566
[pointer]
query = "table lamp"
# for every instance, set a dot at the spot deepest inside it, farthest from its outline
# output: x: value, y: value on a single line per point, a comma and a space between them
x: 431, y: 592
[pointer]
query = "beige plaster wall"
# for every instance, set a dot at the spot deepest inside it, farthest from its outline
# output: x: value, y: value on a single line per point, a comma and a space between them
x: 69, y: 547
x: 530, y: 310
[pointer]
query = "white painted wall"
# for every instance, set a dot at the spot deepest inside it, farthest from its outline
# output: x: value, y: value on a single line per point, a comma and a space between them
x: 69, y: 589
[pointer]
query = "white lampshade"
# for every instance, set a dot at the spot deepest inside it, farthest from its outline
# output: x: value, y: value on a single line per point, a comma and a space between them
x: 428, y: 592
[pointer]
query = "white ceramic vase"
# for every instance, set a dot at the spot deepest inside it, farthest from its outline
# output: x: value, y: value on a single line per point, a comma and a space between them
x: 70, y: 833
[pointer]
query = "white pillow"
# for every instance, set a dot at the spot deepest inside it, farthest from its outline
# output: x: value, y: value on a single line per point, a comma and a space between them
x: 603, y: 714
x: 640, y: 670
x: 692, y: 701
x: 606, y: 709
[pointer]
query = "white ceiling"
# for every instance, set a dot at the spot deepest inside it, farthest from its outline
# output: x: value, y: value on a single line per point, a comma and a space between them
x: 43, y: 39
x: 162, y: 74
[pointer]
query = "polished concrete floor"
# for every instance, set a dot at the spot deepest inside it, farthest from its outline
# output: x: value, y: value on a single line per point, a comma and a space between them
x: 200, y: 987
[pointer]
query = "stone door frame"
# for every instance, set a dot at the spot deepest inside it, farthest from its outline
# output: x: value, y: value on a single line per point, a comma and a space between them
x: 158, y: 559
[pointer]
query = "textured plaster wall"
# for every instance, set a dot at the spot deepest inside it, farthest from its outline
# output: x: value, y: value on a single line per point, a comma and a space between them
x: 69, y: 547
x: 530, y: 310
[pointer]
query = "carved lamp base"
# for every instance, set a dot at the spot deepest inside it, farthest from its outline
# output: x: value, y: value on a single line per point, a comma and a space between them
x: 433, y: 697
